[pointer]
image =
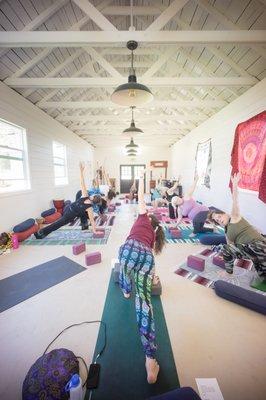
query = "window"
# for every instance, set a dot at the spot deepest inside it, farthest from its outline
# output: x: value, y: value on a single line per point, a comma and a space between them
x: 14, y: 173
x: 138, y: 169
x: 60, y: 164
x: 126, y: 172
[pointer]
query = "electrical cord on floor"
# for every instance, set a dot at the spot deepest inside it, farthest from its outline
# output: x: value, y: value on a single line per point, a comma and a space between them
x: 79, y: 324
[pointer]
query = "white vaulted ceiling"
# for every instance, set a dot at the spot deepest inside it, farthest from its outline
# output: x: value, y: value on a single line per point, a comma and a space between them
x: 196, y: 56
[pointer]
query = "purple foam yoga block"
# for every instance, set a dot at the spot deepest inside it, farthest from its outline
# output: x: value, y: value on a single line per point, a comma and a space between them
x: 98, y: 235
x: 93, y: 258
x: 206, y: 252
x: 78, y: 248
x: 219, y: 261
x: 196, y: 263
x: 175, y: 233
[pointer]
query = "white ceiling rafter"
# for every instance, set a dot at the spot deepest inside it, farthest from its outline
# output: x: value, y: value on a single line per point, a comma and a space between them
x: 113, y: 82
x: 106, y: 38
x: 224, y: 20
x: 95, y: 15
x: 167, y: 15
x: 159, y: 63
x: 41, y: 18
x: 155, y: 103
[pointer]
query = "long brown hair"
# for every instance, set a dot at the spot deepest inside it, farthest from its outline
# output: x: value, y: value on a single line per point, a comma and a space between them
x: 210, y: 215
x: 159, y: 235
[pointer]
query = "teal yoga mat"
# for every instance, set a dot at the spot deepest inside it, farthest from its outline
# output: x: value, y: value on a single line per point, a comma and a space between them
x: 20, y: 287
x: 123, y: 374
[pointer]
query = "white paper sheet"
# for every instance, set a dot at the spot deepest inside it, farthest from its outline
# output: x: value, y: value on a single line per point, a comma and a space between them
x: 209, y: 389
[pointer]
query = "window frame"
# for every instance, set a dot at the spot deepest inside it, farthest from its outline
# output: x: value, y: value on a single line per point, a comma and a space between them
x: 25, y: 162
x: 65, y: 165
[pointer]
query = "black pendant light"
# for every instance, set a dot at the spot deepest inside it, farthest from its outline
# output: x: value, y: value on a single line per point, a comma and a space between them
x: 132, y: 145
x: 132, y: 93
x: 132, y: 130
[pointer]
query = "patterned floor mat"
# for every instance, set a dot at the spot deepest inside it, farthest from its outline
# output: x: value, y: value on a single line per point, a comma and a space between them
x: 67, y: 236
x: 242, y: 276
x: 98, y: 221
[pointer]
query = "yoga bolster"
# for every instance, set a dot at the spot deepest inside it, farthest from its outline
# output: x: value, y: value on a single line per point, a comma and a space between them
x: 185, y: 393
x: 93, y: 258
x: 27, y: 233
x: 48, y: 212
x: 210, y: 239
x: 23, y: 226
x: 244, y: 297
x: 52, y: 218
x: 59, y: 205
x: 78, y: 248
x: 219, y: 261
x: 196, y: 263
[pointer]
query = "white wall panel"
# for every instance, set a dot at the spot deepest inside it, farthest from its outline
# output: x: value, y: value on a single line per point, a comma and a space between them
x: 221, y: 129
x: 41, y: 131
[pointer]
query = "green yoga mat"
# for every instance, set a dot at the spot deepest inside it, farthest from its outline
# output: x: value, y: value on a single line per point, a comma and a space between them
x: 123, y: 374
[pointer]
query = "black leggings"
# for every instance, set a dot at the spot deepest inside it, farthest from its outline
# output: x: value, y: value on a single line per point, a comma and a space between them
x: 65, y: 219
x: 172, y: 211
x: 199, y: 221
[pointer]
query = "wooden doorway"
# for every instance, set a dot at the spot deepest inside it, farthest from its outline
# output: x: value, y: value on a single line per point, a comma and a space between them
x: 127, y: 175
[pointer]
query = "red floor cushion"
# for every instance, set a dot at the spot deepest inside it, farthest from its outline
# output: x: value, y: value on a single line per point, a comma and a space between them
x: 52, y: 218
x: 27, y: 233
x: 59, y: 205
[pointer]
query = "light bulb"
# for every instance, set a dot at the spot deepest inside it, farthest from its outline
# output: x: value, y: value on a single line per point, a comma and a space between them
x: 132, y: 93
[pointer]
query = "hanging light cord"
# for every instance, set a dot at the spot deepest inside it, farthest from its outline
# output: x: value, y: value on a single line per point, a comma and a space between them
x: 131, y: 15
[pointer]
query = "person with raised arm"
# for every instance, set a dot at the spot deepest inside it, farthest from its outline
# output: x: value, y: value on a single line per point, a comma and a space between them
x: 136, y: 255
x: 243, y: 240
x: 77, y: 209
x: 188, y: 207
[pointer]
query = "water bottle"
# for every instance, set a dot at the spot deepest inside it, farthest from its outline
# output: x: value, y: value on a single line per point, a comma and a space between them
x: 14, y: 240
x: 74, y: 387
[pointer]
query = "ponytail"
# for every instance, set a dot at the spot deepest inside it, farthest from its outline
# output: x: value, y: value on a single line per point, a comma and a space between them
x: 159, y: 235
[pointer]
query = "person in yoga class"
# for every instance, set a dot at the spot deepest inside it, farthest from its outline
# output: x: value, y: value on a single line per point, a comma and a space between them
x: 169, y: 195
x: 133, y: 191
x: 243, y: 240
x: 136, y: 255
x: 74, y: 210
x: 188, y: 207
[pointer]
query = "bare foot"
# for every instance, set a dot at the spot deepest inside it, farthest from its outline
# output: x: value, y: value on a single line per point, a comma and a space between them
x: 156, y: 280
x: 127, y: 295
x: 152, y: 368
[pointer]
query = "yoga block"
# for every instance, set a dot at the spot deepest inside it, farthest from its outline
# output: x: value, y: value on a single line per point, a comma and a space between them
x: 93, y: 258
x: 175, y: 233
x: 78, y: 248
x: 206, y: 252
x: 116, y: 272
x: 196, y: 263
x: 98, y: 235
x: 156, y: 289
x: 242, y: 263
x: 219, y: 261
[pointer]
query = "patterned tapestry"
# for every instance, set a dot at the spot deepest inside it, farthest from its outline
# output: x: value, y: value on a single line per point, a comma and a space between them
x: 204, y: 163
x: 249, y: 154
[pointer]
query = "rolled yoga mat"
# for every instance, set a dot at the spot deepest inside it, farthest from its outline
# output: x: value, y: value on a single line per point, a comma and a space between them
x: 20, y: 287
x: 123, y: 374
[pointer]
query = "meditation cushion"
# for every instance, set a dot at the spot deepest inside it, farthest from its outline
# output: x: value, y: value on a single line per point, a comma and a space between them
x: 211, y: 239
x: 48, y: 212
x: 59, y: 205
x: 52, y: 218
x: 185, y: 393
x: 23, y: 226
x: 244, y: 297
x: 27, y: 233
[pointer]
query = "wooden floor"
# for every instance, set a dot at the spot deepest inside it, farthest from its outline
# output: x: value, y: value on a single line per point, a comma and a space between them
x: 211, y: 337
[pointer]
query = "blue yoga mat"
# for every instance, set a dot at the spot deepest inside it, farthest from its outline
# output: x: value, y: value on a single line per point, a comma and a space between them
x: 26, y: 284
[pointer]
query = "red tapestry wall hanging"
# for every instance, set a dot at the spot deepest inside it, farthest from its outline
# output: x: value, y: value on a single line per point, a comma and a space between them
x: 249, y: 154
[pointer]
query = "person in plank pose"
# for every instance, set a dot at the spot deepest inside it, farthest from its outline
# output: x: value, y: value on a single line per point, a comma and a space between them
x: 188, y: 207
x: 243, y: 240
x: 74, y: 210
x: 136, y: 255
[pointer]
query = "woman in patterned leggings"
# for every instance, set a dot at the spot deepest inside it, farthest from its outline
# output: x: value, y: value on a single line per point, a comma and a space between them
x: 243, y: 241
x: 136, y: 255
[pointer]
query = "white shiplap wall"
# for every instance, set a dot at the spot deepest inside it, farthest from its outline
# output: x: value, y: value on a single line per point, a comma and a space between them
x: 221, y: 128
x: 112, y: 157
x: 41, y: 131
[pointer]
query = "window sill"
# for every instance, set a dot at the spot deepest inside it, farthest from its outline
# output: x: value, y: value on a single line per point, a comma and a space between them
x: 16, y: 193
